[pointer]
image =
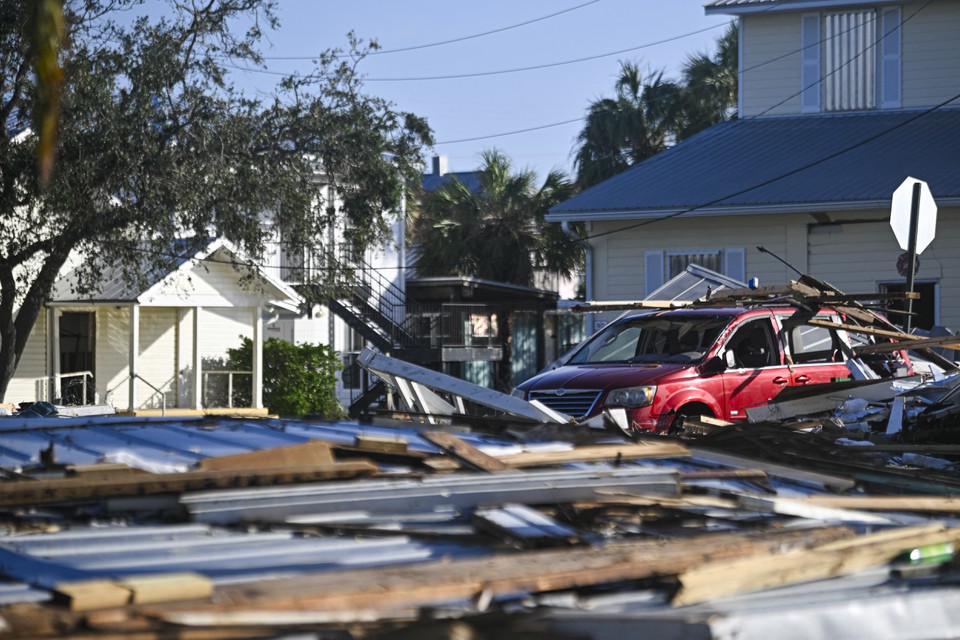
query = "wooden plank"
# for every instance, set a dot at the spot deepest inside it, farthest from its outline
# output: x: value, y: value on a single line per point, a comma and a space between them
x: 725, y: 578
x: 855, y: 328
x: 913, y: 503
x: 946, y: 342
x: 587, y: 453
x: 308, y: 453
x: 60, y: 490
x: 85, y: 595
x: 167, y: 587
x: 501, y: 575
x: 381, y: 444
x: 465, y: 452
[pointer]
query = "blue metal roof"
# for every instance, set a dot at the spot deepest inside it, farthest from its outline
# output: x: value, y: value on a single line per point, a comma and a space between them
x: 780, y: 164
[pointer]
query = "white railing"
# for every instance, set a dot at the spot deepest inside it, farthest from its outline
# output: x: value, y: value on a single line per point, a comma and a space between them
x: 44, y: 392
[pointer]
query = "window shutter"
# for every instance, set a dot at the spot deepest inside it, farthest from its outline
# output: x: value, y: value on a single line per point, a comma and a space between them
x: 735, y: 264
x: 810, y: 57
x: 653, y: 270
x: 890, y: 48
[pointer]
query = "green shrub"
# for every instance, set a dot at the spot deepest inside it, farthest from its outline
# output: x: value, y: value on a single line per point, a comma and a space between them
x: 297, y: 379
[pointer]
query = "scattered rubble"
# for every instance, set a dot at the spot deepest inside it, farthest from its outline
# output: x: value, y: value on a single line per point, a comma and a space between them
x: 463, y: 513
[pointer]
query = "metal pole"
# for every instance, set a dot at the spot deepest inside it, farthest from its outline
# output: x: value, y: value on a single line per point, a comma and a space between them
x: 912, y: 255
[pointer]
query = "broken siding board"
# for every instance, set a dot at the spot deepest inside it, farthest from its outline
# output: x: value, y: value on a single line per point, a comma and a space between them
x: 464, y: 452
x: 742, y: 575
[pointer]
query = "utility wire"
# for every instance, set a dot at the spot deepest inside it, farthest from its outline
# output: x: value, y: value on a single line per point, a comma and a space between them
x: 446, y: 42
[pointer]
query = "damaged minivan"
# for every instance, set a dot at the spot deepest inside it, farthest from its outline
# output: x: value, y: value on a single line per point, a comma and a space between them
x: 647, y: 370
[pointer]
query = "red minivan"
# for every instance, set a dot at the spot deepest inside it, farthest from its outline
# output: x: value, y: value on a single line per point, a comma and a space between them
x: 719, y: 362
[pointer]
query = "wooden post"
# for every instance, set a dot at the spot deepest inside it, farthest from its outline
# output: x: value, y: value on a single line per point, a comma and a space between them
x: 134, y: 355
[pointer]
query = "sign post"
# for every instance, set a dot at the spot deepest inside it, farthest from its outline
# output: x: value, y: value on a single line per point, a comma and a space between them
x: 913, y: 217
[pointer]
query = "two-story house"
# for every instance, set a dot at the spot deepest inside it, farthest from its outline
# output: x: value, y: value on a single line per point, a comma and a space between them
x: 840, y: 101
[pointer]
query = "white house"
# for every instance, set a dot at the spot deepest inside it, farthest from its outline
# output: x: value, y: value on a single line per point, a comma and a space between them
x: 151, y: 348
x: 840, y: 101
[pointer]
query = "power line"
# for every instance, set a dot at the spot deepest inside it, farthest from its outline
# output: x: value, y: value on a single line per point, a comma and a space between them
x: 446, y: 42
x: 477, y: 74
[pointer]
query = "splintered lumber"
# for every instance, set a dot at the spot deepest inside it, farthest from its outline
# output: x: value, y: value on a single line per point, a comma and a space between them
x: 60, y: 490
x: 308, y: 453
x: 502, y: 575
x: 856, y: 328
x: 587, y: 453
x: 729, y: 577
x: 464, y: 452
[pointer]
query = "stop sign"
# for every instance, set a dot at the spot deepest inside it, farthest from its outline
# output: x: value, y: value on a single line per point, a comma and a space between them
x: 926, y: 214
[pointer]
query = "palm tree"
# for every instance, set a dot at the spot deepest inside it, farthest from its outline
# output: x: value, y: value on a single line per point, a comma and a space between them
x: 710, y: 86
x: 497, y: 232
x: 621, y: 131
x: 650, y: 113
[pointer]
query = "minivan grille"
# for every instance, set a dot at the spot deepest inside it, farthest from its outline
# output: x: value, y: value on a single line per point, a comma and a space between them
x: 573, y: 403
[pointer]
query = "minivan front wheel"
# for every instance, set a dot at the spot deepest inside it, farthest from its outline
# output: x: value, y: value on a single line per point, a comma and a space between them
x: 692, y: 410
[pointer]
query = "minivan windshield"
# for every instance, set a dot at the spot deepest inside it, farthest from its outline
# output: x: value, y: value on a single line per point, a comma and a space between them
x: 653, y: 338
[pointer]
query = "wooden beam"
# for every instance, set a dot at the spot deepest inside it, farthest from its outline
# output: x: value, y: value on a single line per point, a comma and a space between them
x: 465, y: 452
x: 855, y: 328
x: 61, y: 490
x: 389, y: 588
x: 308, y: 453
x: 725, y: 578
x: 588, y: 453
x: 917, y: 503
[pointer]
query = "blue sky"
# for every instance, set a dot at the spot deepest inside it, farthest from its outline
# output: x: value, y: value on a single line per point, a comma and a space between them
x: 469, y: 113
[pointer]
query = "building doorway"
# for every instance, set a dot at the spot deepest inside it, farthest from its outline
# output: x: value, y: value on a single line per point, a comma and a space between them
x: 77, y: 349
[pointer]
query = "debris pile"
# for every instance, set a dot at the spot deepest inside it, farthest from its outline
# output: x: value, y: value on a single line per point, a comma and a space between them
x: 832, y: 513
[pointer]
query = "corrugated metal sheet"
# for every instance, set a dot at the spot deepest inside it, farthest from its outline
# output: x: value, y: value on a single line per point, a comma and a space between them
x: 785, y: 163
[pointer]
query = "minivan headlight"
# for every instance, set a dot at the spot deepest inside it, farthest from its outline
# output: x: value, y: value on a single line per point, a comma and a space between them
x: 631, y: 396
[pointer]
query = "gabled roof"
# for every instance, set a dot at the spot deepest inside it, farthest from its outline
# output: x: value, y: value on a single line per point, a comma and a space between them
x: 738, y: 7
x: 114, y: 288
x: 785, y: 164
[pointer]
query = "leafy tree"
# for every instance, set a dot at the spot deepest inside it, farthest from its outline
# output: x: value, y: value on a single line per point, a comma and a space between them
x: 155, y: 141
x: 298, y: 380
x: 497, y: 232
x: 649, y: 112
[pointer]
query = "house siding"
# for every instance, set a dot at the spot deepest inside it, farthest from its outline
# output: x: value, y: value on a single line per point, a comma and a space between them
x: 862, y: 253
x: 931, y: 53
x: 619, y: 273
x: 113, y: 356
x: 158, y: 341
x: 771, y: 65
x: 33, y: 365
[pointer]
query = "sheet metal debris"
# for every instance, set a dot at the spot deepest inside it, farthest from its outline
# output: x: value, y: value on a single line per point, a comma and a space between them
x: 831, y: 512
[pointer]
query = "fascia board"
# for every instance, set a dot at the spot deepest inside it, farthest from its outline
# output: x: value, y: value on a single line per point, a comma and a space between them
x: 787, y: 5
x: 803, y: 207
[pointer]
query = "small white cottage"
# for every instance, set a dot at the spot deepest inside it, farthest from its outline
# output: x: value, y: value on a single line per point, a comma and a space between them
x: 159, y: 348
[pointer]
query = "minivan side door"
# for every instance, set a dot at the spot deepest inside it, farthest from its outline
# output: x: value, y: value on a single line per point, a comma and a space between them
x: 816, y: 353
x: 756, y: 370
